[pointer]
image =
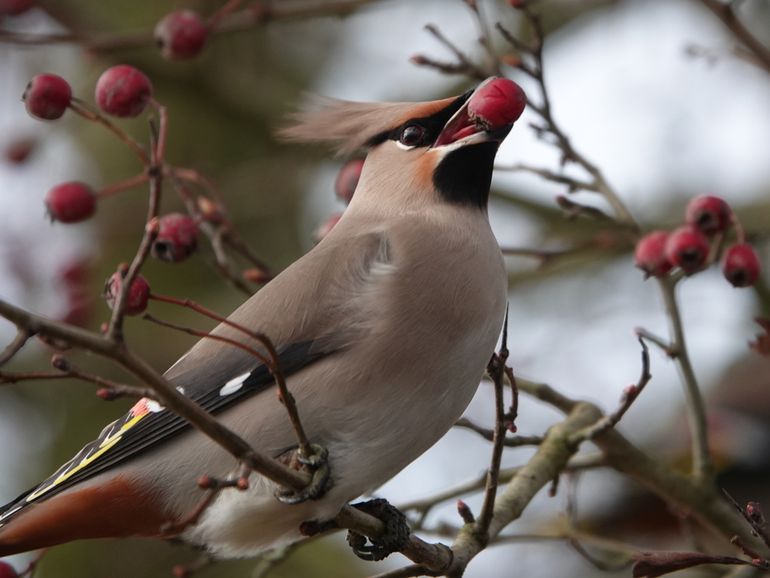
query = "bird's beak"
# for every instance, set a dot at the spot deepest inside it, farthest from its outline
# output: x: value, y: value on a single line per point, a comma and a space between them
x: 487, y: 114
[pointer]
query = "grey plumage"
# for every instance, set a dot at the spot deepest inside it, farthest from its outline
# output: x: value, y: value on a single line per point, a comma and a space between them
x: 397, y: 312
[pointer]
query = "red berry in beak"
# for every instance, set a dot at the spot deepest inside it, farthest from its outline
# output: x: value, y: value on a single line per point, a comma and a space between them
x: 177, y: 238
x: 7, y: 571
x: 687, y: 248
x: 123, y: 91
x: 70, y: 202
x: 708, y: 214
x: 47, y: 96
x: 181, y: 34
x: 741, y: 265
x: 498, y: 103
x: 650, y: 254
x: 138, y: 294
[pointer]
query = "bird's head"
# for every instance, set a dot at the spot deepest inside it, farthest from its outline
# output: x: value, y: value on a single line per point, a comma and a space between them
x: 442, y: 149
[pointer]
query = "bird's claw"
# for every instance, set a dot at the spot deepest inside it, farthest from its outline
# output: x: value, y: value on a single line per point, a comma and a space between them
x: 318, y: 463
x: 395, y: 537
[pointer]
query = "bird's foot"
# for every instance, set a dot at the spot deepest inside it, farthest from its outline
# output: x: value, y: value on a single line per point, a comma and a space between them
x: 395, y: 537
x: 317, y: 463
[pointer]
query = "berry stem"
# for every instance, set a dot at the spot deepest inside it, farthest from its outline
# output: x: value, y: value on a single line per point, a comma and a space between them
x: 121, y: 186
x: 79, y: 107
x: 214, y: 235
x: 159, y: 151
x: 702, y: 466
x: 740, y: 234
x: 227, y: 8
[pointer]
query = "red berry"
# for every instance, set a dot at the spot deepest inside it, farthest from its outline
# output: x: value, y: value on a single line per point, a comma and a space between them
x: 177, y: 238
x: 47, y: 96
x: 7, y: 571
x: 741, y: 265
x: 123, y: 91
x: 326, y: 227
x: 70, y: 202
x: 138, y: 294
x: 497, y: 103
x: 347, y: 179
x: 181, y: 34
x: 708, y: 214
x: 257, y: 275
x: 650, y: 254
x: 687, y: 248
x: 15, y: 8
x: 19, y: 150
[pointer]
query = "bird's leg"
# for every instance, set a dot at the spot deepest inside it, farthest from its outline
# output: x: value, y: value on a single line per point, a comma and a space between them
x: 395, y: 537
x: 318, y: 464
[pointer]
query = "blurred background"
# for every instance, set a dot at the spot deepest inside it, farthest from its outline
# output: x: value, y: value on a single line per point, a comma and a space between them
x: 650, y: 90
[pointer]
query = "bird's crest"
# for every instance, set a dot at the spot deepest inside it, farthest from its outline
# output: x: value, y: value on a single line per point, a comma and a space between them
x: 350, y: 126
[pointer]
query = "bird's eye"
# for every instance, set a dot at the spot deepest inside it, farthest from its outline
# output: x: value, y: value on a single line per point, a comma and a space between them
x: 412, y: 135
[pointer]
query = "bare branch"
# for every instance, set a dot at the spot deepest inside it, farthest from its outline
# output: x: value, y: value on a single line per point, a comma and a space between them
x: 488, y: 434
x: 703, y: 466
x: 166, y: 392
x: 496, y: 369
x: 627, y: 399
x: 22, y: 336
x: 725, y: 11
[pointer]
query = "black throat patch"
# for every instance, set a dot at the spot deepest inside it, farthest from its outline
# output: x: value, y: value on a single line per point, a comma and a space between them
x: 464, y: 175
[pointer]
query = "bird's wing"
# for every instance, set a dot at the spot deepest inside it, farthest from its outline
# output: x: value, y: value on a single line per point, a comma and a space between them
x: 299, y: 311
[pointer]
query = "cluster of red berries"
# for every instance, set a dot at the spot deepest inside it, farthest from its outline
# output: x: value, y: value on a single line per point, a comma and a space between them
x: 122, y: 91
x: 344, y: 187
x: 691, y: 247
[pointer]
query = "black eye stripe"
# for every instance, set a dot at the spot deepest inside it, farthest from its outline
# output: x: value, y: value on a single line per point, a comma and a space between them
x: 432, y: 124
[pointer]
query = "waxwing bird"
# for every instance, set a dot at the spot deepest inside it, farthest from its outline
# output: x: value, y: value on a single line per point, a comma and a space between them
x: 384, y: 330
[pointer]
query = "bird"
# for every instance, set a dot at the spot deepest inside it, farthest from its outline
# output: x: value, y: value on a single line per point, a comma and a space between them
x: 384, y: 330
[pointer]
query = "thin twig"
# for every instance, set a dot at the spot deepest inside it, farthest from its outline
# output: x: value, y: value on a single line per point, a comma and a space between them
x: 627, y: 399
x: 273, y: 364
x: 696, y: 411
x: 81, y: 108
x: 496, y: 369
x: 664, y: 345
x: 123, y: 185
x: 725, y: 11
x: 572, y: 183
x: 489, y: 434
x: 257, y: 14
x: 213, y: 233
x: 19, y: 341
x: 206, y: 335
x: 599, y: 183
x: 167, y: 394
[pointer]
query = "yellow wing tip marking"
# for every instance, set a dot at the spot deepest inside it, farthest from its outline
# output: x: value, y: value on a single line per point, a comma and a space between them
x: 138, y: 412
